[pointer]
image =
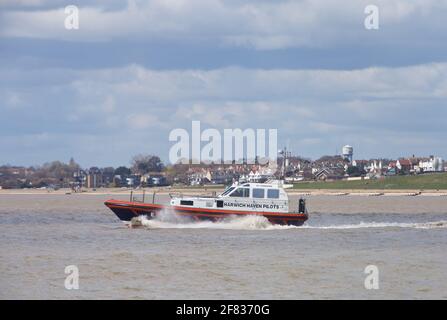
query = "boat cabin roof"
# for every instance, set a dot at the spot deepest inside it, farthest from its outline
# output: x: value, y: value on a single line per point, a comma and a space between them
x: 255, y: 191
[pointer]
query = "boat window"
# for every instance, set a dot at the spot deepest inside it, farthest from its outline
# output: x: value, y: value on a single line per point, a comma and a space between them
x: 186, y: 203
x: 227, y: 191
x: 258, y: 193
x: 241, y: 192
x: 273, y: 193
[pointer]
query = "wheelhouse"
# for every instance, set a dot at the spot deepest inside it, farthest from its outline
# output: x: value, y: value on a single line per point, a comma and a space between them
x: 255, y: 191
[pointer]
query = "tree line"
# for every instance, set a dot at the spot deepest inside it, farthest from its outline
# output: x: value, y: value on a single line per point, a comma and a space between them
x: 58, y: 173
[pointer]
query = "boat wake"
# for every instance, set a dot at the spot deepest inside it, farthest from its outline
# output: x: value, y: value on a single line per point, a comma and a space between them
x: 364, y: 225
x: 167, y: 219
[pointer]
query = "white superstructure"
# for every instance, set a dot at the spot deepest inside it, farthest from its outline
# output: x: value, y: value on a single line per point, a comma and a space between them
x: 256, y: 197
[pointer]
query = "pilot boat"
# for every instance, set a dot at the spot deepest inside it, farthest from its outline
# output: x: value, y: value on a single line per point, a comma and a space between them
x: 263, y: 199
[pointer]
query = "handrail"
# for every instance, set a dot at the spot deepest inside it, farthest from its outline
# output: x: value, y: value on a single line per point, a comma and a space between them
x: 175, y: 194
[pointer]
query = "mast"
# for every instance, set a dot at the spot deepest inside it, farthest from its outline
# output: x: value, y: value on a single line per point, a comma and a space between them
x: 285, y: 162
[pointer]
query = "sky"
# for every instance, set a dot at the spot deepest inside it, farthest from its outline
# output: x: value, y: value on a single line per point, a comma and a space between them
x: 135, y: 70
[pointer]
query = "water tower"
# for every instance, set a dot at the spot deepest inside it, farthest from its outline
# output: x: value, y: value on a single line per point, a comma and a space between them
x: 347, y: 153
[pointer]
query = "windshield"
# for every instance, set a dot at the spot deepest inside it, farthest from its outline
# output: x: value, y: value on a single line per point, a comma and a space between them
x: 241, y: 193
x: 227, y: 191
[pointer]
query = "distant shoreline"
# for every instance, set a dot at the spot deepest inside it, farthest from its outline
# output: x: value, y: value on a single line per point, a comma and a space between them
x: 202, y: 191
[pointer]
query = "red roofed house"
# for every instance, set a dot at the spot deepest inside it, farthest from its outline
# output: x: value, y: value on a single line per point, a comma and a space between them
x: 404, y: 165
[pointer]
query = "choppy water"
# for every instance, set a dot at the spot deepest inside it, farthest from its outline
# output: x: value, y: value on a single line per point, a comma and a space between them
x: 243, y: 258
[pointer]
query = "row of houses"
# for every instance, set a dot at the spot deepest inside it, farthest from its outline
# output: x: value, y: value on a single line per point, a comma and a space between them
x: 292, y: 169
x: 226, y: 174
x: 411, y: 165
x: 298, y: 169
x: 96, y: 178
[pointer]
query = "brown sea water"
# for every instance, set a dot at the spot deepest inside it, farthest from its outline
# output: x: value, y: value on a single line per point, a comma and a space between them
x: 405, y: 237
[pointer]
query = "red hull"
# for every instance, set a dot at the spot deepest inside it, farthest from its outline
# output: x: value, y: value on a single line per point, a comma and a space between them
x: 126, y: 210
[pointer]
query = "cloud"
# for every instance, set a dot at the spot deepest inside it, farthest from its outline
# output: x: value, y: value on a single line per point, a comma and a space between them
x: 131, y: 109
x: 265, y: 25
x: 142, y: 121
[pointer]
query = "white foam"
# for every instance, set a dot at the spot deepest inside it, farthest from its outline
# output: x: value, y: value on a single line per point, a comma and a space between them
x: 168, y: 219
